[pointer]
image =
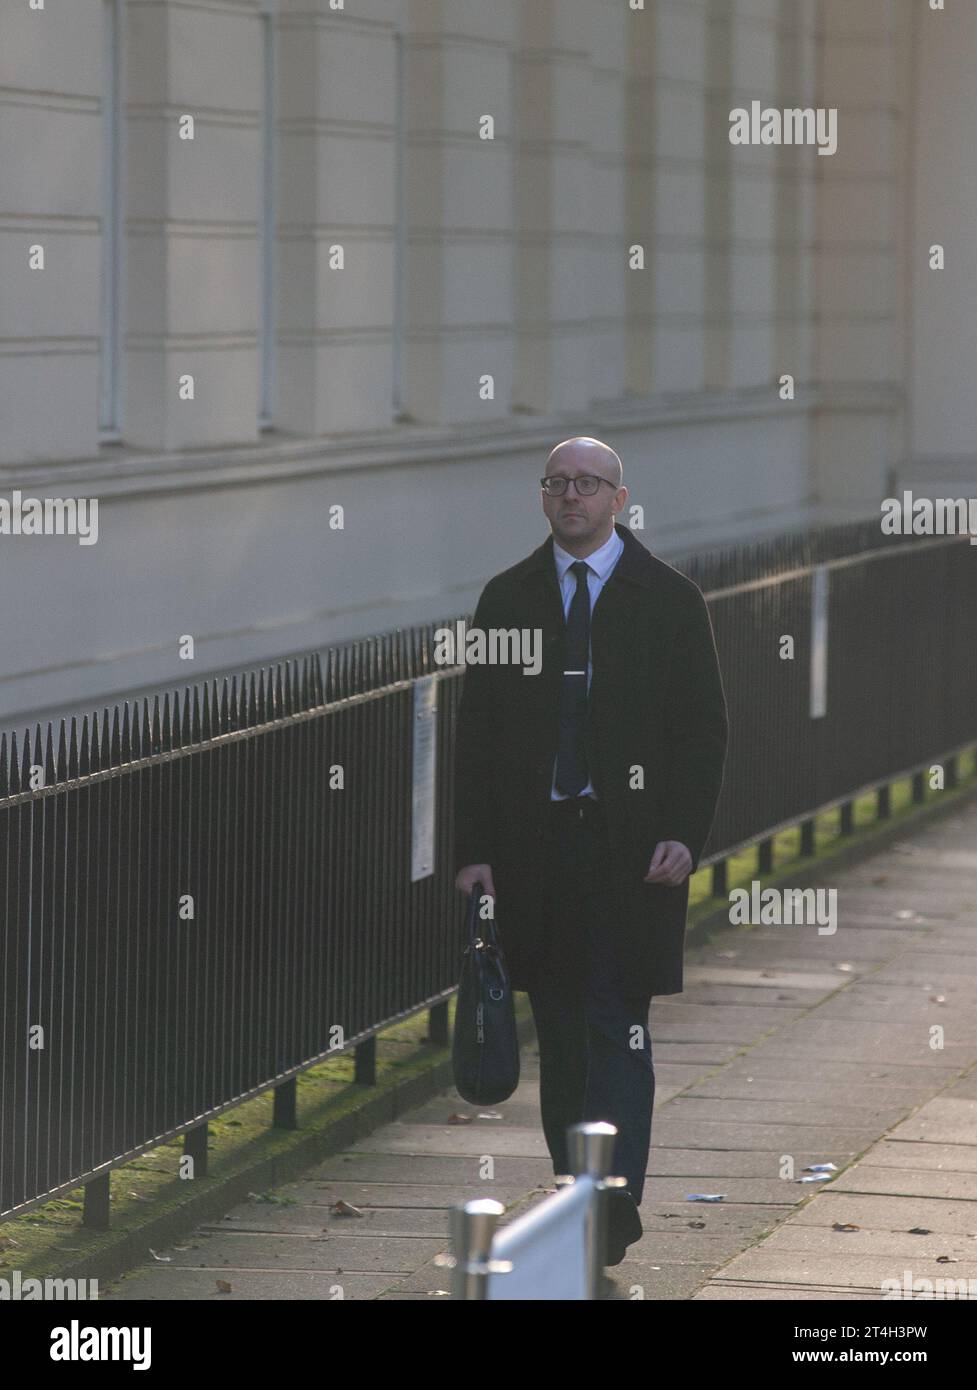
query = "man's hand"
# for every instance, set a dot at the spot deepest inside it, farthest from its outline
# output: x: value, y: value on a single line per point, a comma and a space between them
x: 472, y: 874
x: 670, y: 864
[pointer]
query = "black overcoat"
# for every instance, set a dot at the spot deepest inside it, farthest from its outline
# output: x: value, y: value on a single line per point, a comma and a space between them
x: 656, y: 748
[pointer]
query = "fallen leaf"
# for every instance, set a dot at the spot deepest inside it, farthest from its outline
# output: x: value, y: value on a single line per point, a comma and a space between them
x: 845, y: 1226
x: 342, y: 1208
x: 459, y: 1119
x: 919, y: 1231
x: 222, y: 1285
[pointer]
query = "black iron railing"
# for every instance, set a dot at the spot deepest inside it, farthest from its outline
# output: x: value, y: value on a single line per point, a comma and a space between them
x: 203, y: 896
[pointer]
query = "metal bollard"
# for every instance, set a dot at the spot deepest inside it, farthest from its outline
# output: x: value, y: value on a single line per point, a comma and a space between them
x: 472, y: 1232
x: 590, y: 1148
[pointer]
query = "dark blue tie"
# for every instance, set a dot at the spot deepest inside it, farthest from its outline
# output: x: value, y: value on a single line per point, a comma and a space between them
x: 571, y: 757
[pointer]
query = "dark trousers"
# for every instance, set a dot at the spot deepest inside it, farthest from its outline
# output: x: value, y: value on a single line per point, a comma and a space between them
x: 594, y: 1042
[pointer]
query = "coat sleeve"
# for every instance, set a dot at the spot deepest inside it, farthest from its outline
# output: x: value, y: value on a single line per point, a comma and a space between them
x: 696, y: 731
x: 476, y: 748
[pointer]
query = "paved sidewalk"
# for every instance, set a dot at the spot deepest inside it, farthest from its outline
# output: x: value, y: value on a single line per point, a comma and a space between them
x: 786, y: 1046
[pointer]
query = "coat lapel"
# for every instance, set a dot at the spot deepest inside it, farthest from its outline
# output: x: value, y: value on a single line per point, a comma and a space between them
x: 613, y: 633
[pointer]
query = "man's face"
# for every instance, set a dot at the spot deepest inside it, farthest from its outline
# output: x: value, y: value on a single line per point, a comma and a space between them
x: 577, y: 519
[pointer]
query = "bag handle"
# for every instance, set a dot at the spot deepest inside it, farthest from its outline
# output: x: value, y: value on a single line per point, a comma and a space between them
x: 485, y: 929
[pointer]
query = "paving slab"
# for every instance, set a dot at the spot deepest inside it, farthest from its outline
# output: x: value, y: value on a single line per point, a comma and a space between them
x: 163, y: 1283
x: 809, y: 983
x: 824, y: 1240
x: 811, y: 1090
x: 638, y: 1280
x: 269, y: 1250
x: 405, y: 1196
x: 782, y: 1138
x: 732, y: 1022
x: 950, y: 1119
x: 785, y: 1042
x: 730, y: 1110
x: 838, y: 1269
x: 907, y: 1182
x: 965, y: 1088
x: 699, y: 1163
x: 428, y: 1168
x: 890, y: 1212
x: 317, y: 1220
x: 717, y: 1291
x: 462, y: 1141
x: 765, y: 1191
x: 711, y: 1218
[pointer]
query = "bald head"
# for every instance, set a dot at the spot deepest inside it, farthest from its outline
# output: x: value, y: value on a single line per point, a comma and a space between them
x: 585, y: 455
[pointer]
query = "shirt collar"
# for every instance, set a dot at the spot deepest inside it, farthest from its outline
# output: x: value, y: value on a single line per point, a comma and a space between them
x: 601, y: 561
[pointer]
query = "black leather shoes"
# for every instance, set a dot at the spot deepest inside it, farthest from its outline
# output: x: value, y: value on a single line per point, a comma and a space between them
x: 623, y: 1224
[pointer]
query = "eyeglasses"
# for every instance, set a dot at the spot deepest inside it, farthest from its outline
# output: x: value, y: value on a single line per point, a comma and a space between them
x: 586, y: 483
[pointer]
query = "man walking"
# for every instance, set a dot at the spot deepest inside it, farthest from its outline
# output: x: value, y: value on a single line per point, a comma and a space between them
x: 584, y: 796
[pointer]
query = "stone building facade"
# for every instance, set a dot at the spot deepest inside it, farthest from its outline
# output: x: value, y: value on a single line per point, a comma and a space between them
x: 400, y: 248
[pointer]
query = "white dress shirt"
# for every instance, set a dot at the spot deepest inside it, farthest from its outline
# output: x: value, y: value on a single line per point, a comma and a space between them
x: 601, y: 562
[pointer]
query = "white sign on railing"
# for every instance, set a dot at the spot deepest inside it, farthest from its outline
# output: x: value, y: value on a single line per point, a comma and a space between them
x: 549, y: 1249
x: 423, y: 772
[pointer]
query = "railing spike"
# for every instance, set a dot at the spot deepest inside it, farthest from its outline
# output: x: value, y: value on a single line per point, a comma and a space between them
x: 61, y: 761
x: 186, y: 725
x: 126, y: 733
x: 174, y: 719
x: 154, y: 727
x: 251, y: 713
x: 116, y: 745
x: 105, y: 750
x: 84, y: 748
x: 13, y: 776
x: 44, y: 753
x: 147, y: 729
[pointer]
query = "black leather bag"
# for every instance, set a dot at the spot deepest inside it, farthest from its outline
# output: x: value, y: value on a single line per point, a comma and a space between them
x: 485, y: 1049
